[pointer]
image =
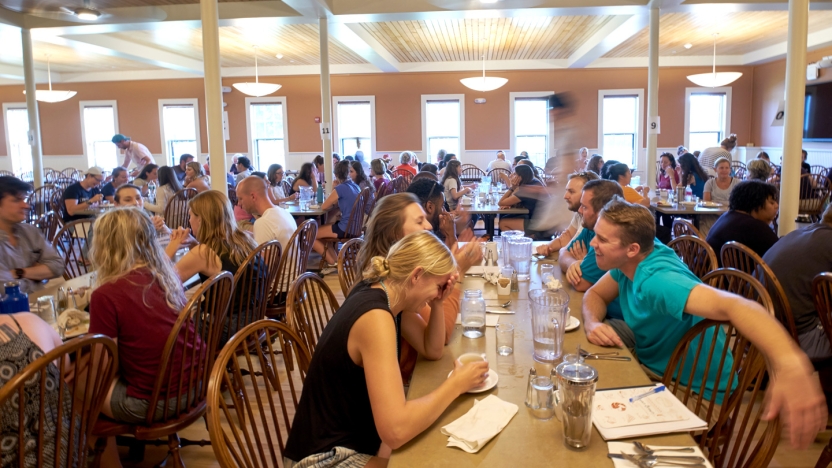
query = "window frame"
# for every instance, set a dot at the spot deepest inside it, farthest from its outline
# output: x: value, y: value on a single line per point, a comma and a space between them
x: 427, y: 158
x: 639, y: 156
x: 726, y: 123
x: 173, y: 102
x: 513, y: 149
x: 6, y: 106
x: 108, y: 103
x: 336, y: 147
x: 251, y: 144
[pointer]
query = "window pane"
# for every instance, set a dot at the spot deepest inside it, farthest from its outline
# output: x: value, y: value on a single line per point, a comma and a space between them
x: 99, y: 128
x: 707, y: 112
x: 355, y: 121
x: 17, y: 122
x: 619, y: 147
x: 450, y: 145
x: 266, y: 120
x: 180, y: 131
x: 536, y: 146
x: 620, y: 114
x: 701, y: 140
x: 442, y: 119
x: 531, y: 117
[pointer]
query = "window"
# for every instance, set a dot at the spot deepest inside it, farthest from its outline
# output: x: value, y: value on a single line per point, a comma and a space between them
x: 619, y: 125
x: 355, y: 124
x: 707, y: 114
x: 443, y: 117
x: 180, y: 128
x: 267, y: 130
x: 529, y: 122
x: 99, y: 123
x: 17, y: 137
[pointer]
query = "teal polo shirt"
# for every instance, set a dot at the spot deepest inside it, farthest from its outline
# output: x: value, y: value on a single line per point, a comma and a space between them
x: 653, y: 304
x: 591, y: 272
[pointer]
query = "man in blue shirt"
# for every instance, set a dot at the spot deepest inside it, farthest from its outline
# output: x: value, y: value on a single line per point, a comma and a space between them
x: 577, y: 260
x: 119, y: 178
x: 661, y: 300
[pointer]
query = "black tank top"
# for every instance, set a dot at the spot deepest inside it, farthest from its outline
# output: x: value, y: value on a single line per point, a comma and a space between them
x: 334, y: 409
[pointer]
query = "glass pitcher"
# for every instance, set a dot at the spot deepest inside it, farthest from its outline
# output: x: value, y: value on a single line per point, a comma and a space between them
x: 549, y: 317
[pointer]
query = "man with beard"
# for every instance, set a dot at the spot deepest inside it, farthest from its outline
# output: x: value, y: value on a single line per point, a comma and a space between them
x: 573, y: 204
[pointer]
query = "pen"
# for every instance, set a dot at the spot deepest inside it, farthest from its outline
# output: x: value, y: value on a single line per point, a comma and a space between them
x: 658, y: 389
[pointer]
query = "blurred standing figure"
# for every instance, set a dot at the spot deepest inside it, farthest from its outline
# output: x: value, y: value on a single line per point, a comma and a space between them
x: 133, y: 152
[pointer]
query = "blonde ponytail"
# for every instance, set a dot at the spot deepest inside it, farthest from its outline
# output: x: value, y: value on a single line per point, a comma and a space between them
x: 378, y: 270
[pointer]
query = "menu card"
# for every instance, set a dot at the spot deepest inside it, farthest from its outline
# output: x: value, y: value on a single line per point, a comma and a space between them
x: 617, y: 418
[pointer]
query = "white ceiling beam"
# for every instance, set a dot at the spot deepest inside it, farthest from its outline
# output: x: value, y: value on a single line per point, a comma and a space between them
x: 815, y: 40
x: 614, y: 33
x: 668, y: 61
x: 311, y: 8
x: 14, y: 72
x: 12, y: 18
x: 121, y: 48
x: 477, y: 14
x: 357, y: 39
x: 717, y: 7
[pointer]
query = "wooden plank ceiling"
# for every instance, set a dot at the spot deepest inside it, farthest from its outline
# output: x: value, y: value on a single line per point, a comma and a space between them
x: 524, y: 38
x: 298, y: 43
x: 739, y: 33
x: 28, y: 6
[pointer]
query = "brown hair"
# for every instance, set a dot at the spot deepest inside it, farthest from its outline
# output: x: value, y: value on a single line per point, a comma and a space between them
x: 635, y: 222
x: 586, y: 176
x: 417, y: 249
x: 730, y: 142
x: 218, y: 230
x: 602, y: 192
x: 384, y: 227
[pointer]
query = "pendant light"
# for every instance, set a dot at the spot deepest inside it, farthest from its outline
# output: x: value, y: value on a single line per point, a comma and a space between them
x: 51, y: 95
x: 257, y: 88
x: 714, y: 79
x: 484, y: 83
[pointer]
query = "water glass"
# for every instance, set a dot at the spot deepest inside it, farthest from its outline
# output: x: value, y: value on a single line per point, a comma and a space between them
x: 547, y: 273
x: 506, y: 235
x: 505, y: 338
x: 472, y: 314
x: 498, y: 240
x: 46, y: 309
x: 542, y: 398
x: 520, y: 254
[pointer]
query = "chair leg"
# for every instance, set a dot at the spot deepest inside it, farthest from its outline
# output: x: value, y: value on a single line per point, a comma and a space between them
x: 100, y: 446
x: 174, y: 458
x: 825, y: 457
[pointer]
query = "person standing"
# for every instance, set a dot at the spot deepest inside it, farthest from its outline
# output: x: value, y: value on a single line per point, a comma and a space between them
x: 133, y: 152
x: 119, y: 179
x: 708, y: 157
x: 180, y: 169
x: 572, y: 196
x: 80, y: 196
x: 25, y: 256
x: 499, y: 163
x: 273, y: 222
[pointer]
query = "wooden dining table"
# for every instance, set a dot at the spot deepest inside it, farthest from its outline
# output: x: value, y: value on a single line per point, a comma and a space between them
x: 525, y: 441
x: 693, y: 211
x: 488, y: 212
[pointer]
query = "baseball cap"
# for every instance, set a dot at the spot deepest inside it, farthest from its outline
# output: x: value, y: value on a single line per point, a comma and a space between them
x: 118, y: 138
x: 94, y: 171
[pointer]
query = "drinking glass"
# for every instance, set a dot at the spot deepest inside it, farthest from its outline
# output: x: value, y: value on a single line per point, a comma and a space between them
x: 499, y: 241
x: 520, y: 253
x: 505, y: 338
x: 547, y: 273
x: 505, y: 237
x: 543, y: 398
x: 46, y: 309
x: 472, y: 314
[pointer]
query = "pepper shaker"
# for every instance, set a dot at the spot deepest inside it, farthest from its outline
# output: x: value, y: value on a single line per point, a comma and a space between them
x: 515, y: 286
x: 529, y: 389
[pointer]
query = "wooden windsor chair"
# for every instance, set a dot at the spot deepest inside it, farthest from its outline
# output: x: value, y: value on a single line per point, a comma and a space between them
x: 72, y: 243
x: 176, y: 210
x: 348, y: 268
x: 39, y: 202
x: 354, y: 225
x: 683, y: 227
x: 293, y: 263
x: 471, y: 173
x: 696, y: 254
x: 249, y: 429
x: 182, y: 391
x: 403, y: 173
x: 311, y: 305
x: 815, y: 190
x: 68, y: 410
x: 49, y: 224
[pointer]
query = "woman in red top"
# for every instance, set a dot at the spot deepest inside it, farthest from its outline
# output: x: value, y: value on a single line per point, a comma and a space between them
x: 136, y: 301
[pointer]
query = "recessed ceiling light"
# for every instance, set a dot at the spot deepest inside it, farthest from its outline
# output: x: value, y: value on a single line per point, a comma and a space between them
x: 87, y: 14
x: 279, y: 56
x: 688, y: 45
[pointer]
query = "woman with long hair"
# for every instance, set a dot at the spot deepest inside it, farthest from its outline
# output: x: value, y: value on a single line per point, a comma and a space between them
x: 444, y: 163
x: 359, y: 177
x: 453, y: 185
x: 354, y: 388
x: 524, y: 191
x: 168, y: 186
x: 693, y: 174
x: 621, y: 173
x: 583, y: 158
x: 136, y: 300
x: 149, y: 173
x: 195, y: 177
x: 595, y: 163
x: 221, y: 246
x: 342, y: 197
x: 670, y: 173
x: 275, y: 176
x: 305, y: 178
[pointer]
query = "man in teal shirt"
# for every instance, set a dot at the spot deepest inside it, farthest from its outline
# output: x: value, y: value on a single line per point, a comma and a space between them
x: 661, y: 300
x: 577, y: 260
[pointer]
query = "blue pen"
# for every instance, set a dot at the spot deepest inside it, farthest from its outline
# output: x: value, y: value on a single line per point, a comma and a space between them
x: 658, y: 389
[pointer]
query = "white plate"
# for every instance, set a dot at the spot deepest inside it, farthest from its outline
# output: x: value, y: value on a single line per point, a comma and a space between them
x: 490, y: 382
x: 573, y: 324
x: 709, y: 204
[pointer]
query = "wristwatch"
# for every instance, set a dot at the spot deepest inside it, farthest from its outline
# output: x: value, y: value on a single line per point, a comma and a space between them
x: 18, y: 273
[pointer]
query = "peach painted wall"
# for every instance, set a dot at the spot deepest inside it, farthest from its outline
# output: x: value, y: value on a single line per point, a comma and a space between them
x: 769, y: 89
x: 398, y: 106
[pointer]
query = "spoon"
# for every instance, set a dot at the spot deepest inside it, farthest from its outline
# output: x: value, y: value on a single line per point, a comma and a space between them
x: 651, y: 462
x: 612, y: 353
x: 505, y: 306
x: 647, y: 450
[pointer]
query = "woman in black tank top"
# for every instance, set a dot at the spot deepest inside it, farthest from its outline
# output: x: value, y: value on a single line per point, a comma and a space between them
x: 353, y: 399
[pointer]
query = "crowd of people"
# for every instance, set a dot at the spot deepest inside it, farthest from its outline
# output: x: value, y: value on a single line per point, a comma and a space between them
x: 353, y: 409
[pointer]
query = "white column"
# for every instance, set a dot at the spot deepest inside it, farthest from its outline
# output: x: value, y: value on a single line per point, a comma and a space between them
x: 793, y: 126
x: 652, y: 97
x: 213, y: 93
x: 326, y: 101
x: 32, y: 107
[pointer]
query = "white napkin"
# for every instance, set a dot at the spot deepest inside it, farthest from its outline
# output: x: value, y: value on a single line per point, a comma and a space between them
x: 479, y: 425
x: 627, y: 447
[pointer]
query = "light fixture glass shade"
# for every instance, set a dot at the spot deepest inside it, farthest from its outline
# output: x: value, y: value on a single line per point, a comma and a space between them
x: 49, y: 95
x: 484, y: 83
x: 714, y: 80
x: 256, y: 89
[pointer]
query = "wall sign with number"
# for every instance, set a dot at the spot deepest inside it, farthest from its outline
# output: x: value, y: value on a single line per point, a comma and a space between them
x: 654, y: 125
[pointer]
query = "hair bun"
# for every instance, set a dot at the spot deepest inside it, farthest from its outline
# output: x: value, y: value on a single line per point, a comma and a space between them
x: 378, y: 270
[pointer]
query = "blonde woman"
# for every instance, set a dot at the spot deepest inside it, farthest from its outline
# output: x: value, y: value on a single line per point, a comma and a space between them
x: 222, y: 246
x: 195, y: 177
x: 136, y: 301
x: 353, y: 408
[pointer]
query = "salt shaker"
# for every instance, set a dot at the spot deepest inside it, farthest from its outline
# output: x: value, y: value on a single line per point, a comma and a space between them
x: 515, y: 287
x: 529, y: 388
x: 62, y: 300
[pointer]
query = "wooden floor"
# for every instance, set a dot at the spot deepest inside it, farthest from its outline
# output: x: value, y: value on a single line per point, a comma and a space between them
x: 203, y: 457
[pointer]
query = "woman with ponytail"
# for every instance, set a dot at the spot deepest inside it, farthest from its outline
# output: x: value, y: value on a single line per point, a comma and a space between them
x: 353, y: 409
